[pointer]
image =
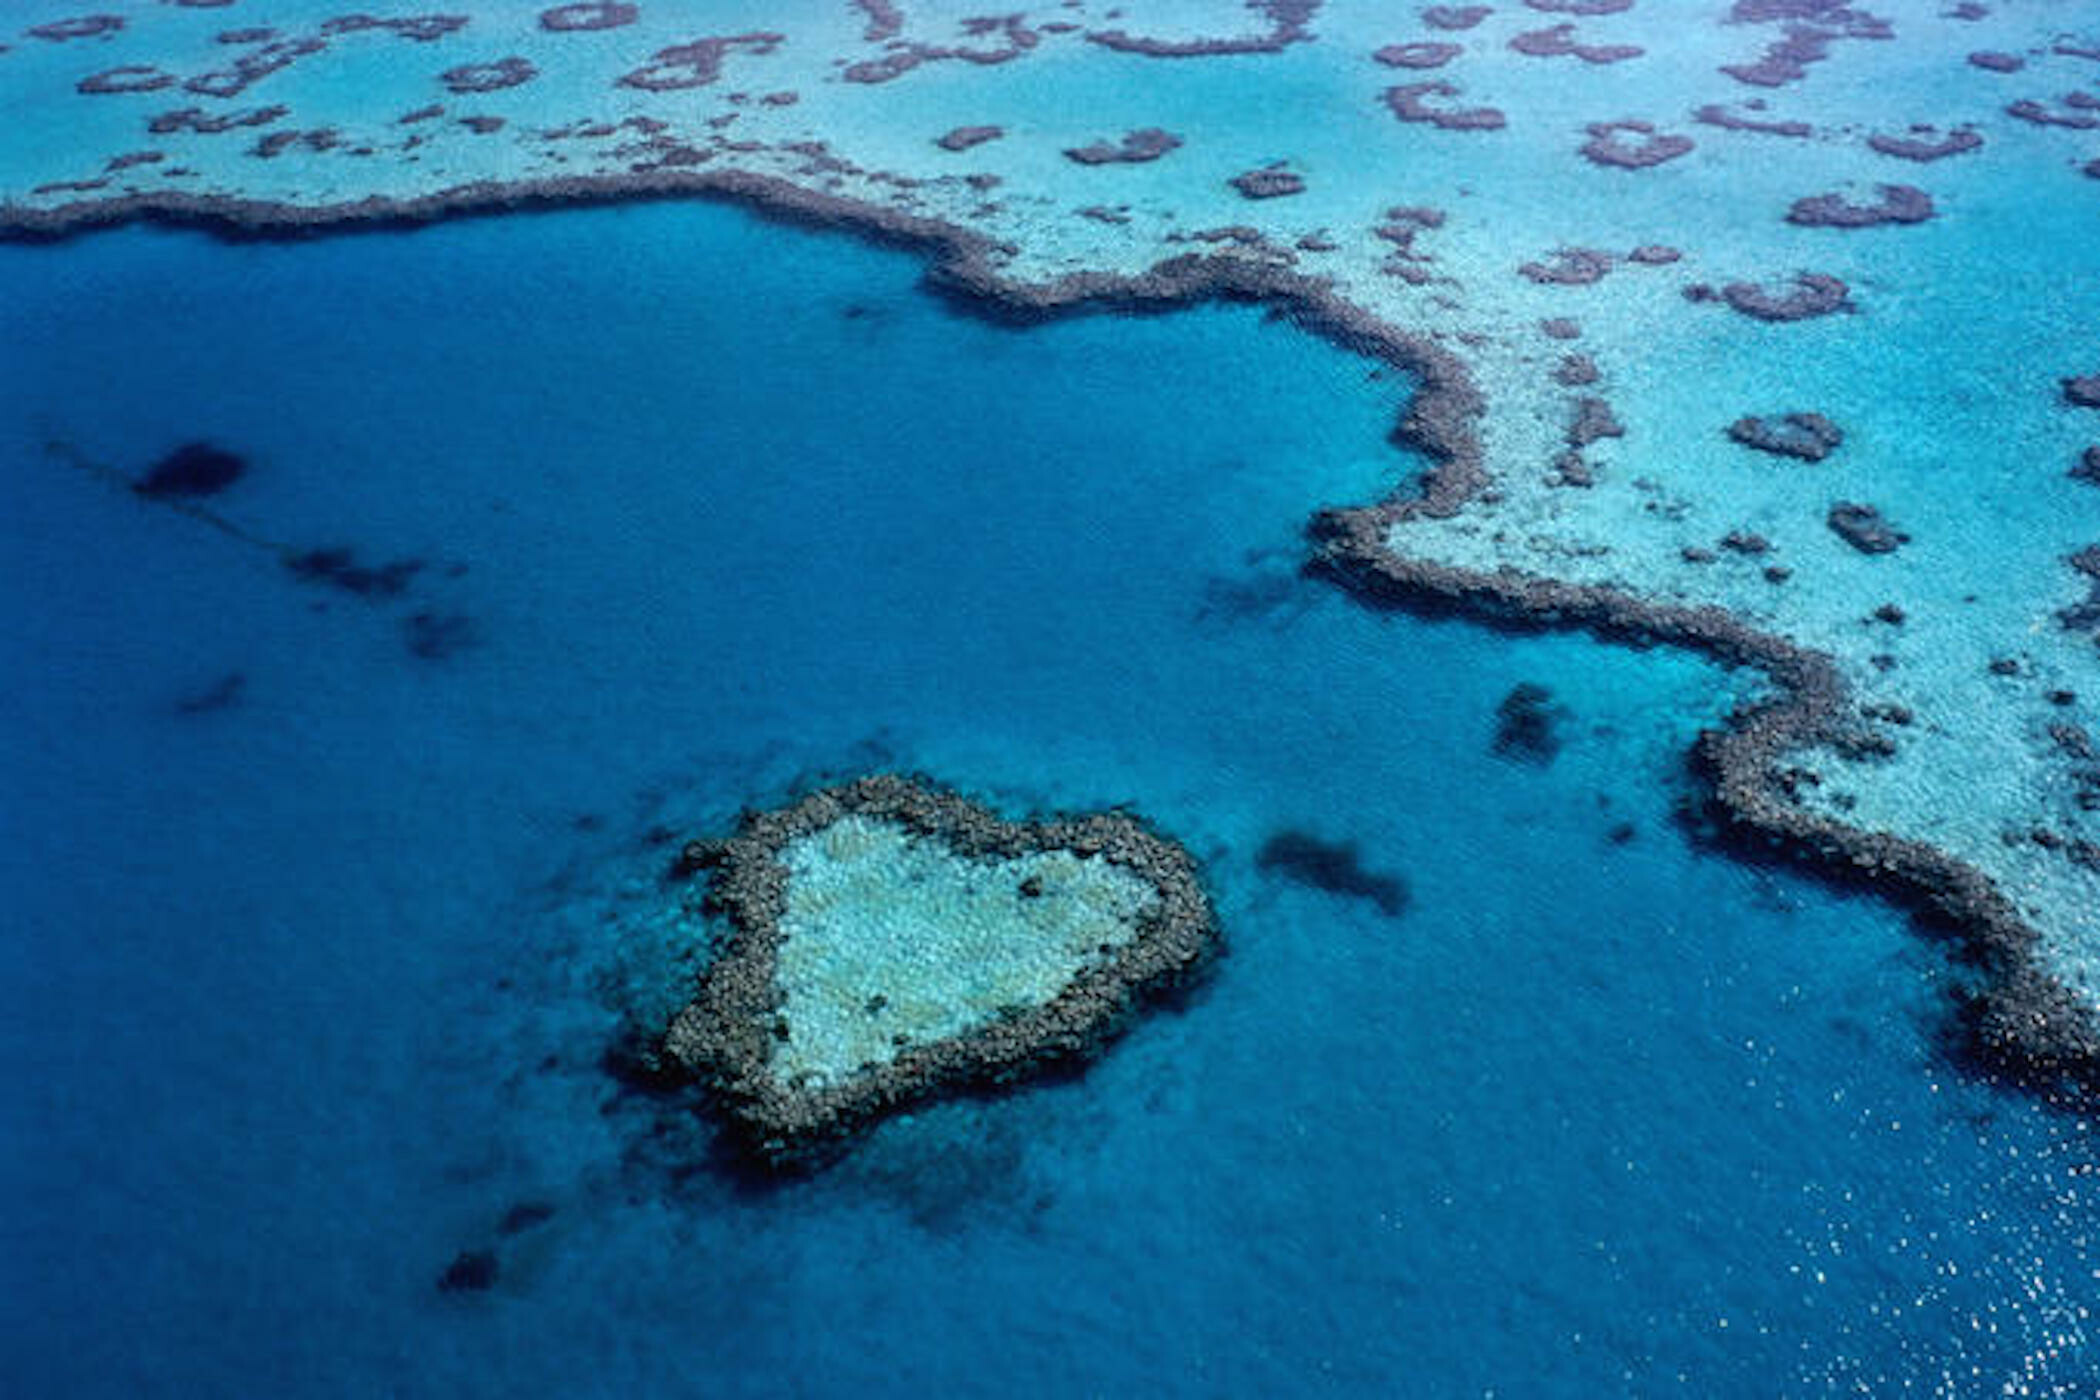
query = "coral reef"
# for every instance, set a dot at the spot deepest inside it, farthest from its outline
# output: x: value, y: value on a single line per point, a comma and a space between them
x: 1808, y: 436
x: 1428, y: 53
x: 1608, y: 145
x: 1865, y: 529
x: 1269, y: 182
x: 1135, y: 148
x: 962, y: 138
x: 791, y: 1026
x: 1408, y: 104
x: 488, y: 77
x: 604, y: 14
x: 1899, y: 204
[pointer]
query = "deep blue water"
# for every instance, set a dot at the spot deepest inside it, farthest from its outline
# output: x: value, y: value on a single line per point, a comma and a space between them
x: 303, y: 992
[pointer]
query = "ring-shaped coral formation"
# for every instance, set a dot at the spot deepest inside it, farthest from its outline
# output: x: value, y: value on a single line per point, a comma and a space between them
x: 891, y: 942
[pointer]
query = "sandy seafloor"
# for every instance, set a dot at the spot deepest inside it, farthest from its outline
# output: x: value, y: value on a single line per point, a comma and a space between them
x: 306, y: 991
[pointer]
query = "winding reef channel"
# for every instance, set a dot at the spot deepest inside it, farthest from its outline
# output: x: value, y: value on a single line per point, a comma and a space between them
x: 1598, y: 246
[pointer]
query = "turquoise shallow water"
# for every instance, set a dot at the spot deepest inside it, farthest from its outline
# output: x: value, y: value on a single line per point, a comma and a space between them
x: 309, y: 990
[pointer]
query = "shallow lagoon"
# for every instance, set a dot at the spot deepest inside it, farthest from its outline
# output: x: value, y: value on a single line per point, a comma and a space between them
x: 311, y: 989
x: 891, y: 939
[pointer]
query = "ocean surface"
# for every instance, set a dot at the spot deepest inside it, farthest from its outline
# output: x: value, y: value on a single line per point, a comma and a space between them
x: 323, y: 917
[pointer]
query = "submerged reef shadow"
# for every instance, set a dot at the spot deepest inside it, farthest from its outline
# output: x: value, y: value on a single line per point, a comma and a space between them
x: 1270, y: 592
x: 222, y: 694
x: 182, y: 480
x: 948, y: 1171
x: 2019, y: 1023
x: 193, y: 469
x: 1336, y: 867
x: 1527, y: 725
